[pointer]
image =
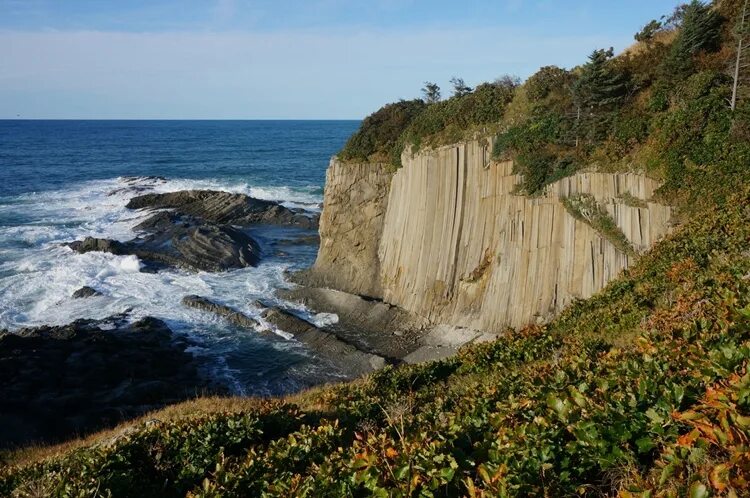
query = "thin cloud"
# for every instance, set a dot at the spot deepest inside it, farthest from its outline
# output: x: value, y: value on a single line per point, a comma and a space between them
x: 286, y: 74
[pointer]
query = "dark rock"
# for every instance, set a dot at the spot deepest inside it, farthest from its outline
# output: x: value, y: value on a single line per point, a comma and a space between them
x: 58, y: 382
x: 225, y: 207
x: 182, y: 241
x: 352, y: 361
x: 304, y: 240
x: 138, y: 184
x: 86, y: 291
x: 102, y: 245
x: 230, y: 314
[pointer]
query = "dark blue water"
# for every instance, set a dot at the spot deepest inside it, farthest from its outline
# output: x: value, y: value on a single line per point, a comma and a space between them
x: 43, y: 155
x: 62, y: 181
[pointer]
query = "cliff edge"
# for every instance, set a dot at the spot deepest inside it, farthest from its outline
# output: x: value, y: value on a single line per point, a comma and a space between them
x: 448, y: 237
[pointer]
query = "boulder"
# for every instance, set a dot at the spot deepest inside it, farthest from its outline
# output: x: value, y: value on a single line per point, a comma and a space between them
x: 168, y: 239
x: 85, y: 291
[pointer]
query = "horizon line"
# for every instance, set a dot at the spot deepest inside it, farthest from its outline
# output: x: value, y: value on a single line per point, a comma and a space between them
x: 180, y: 119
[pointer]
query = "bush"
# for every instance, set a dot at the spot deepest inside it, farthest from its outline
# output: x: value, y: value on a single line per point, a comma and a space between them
x: 379, y: 133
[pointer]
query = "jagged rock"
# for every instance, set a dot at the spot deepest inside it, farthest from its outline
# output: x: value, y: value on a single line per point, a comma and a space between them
x: 230, y: 314
x: 225, y: 207
x: 85, y: 291
x: 101, y: 245
x: 182, y: 241
x: 352, y: 361
x: 61, y: 381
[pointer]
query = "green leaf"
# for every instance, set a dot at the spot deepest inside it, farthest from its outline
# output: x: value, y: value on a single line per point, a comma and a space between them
x: 698, y: 490
x: 645, y: 444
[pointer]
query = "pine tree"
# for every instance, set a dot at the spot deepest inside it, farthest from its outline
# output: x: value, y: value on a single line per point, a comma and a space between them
x: 459, y: 87
x: 600, y: 90
x: 700, y: 30
x: 431, y: 92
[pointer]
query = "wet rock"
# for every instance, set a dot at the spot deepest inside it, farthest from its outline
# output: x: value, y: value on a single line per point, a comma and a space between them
x: 61, y: 381
x: 352, y: 361
x: 230, y: 314
x: 138, y: 184
x: 102, y: 245
x: 85, y: 291
x: 225, y: 207
x: 168, y: 239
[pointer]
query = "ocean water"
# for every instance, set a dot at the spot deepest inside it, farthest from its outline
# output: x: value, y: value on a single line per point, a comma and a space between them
x: 63, y: 180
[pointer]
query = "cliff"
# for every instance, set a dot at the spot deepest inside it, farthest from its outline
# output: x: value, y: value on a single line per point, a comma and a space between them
x: 446, y: 236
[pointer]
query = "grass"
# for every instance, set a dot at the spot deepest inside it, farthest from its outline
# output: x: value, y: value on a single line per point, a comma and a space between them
x: 585, y: 208
x: 598, y: 402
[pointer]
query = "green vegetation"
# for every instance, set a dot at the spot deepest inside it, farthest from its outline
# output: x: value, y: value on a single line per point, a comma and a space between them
x: 378, y: 137
x: 660, y: 107
x: 641, y: 391
x: 384, y: 135
x: 585, y: 208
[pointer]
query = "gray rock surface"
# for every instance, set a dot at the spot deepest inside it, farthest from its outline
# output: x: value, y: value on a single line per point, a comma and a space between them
x: 352, y: 361
x: 230, y: 314
x: 168, y: 239
x: 85, y: 291
x: 60, y: 381
x: 225, y: 207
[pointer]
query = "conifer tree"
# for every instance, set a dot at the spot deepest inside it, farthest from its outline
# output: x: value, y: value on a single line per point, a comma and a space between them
x: 459, y: 87
x: 431, y: 92
x: 699, y: 30
x: 600, y: 90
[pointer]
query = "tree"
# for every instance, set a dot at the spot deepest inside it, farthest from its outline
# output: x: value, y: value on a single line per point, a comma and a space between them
x: 646, y: 35
x: 700, y: 30
x: 508, y: 81
x: 431, y: 92
x: 459, y: 87
x: 740, y: 56
x: 600, y: 90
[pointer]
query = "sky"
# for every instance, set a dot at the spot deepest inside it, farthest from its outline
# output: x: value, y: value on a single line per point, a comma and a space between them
x: 283, y: 59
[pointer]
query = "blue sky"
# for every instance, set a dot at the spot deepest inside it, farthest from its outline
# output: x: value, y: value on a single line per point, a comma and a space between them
x: 254, y: 59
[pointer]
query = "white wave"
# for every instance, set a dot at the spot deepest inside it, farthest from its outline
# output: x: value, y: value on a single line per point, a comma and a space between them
x: 38, y: 274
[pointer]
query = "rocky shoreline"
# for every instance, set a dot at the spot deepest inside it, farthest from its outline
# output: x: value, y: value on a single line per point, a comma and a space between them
x: 61, y: 381
x: 69, y: 380
x: 199, y: 230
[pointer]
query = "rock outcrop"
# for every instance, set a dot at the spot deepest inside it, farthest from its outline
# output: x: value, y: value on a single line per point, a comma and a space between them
x: 356, y: 199
x: 457, y: 245
x: 229, y: 314
x: 349, y: 359
x: 225, y: 208
x: 85, y: 291
x: 200, y: 230
x: 57, y: 382
x: 169, y: 239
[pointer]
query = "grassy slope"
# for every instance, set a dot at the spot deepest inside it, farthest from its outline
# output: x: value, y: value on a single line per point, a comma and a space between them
x: 641, y: 387
x: 642, y: 390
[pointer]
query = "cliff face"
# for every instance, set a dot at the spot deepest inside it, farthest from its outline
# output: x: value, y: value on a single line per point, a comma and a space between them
x: 445, y: 236
x: 351, y: 225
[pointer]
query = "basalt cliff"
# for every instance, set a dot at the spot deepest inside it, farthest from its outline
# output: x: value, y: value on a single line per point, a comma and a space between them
x: 449, y: 238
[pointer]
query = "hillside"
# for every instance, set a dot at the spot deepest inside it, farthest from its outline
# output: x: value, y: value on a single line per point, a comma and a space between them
x: 641, y: 390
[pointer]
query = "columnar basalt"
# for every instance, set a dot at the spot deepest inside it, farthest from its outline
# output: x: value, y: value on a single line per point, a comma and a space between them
x: 448, y: 237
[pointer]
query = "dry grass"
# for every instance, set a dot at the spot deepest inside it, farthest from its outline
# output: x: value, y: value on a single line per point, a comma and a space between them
x: 311, y: 400
x: 663, y: 37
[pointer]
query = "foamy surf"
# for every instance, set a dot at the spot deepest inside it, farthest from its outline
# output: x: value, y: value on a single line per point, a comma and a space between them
x: 38, y: 276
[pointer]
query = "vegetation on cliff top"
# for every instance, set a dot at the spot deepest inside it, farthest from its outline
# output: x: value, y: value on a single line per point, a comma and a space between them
x: 642, y: 390
x: 661, y: 107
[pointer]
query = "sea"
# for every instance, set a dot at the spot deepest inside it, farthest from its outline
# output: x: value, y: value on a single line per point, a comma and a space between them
x: 64, y: 180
